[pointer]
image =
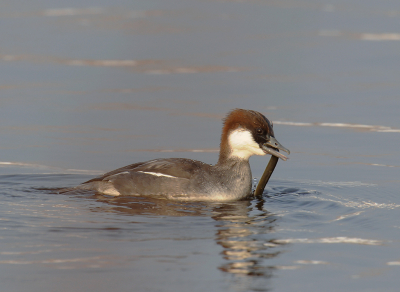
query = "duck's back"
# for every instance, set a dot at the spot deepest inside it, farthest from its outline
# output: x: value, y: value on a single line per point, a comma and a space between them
x: 173, y: 177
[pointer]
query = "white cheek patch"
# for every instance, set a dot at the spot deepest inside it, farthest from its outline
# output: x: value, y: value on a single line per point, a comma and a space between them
x: 157, y: 174
x: 243, y: 145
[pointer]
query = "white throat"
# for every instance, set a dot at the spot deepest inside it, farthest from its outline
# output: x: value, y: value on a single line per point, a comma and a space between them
x: 243, y: 145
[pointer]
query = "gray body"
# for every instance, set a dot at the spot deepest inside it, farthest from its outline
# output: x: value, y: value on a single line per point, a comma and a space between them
x: 245, y: 133
x: 177, y: 178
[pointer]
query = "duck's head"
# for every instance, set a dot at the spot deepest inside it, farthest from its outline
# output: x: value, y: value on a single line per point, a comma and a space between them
x: 246, y: 133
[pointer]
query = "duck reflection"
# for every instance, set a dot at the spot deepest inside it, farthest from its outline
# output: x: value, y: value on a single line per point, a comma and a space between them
x: 244, y: 232
x: 149, y: 206
x: 244, y: 229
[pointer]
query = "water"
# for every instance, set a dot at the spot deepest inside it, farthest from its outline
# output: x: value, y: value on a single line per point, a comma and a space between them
x: 87, y: 87
x: 302, y: 235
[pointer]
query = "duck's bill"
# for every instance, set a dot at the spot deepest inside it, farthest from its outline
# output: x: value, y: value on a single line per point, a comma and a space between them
x: 273, y: 146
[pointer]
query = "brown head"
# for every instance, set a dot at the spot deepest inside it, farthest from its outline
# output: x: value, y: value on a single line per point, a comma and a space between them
x: 246, y: 133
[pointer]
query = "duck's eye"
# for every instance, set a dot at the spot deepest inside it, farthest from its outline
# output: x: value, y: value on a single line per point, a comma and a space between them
x: 259, y: 131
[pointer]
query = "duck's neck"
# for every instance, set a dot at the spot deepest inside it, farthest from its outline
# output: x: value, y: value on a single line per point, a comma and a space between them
x: 231, y: 163
x: 225, y: 152
x: 234, y: 173
x: 233, y: 167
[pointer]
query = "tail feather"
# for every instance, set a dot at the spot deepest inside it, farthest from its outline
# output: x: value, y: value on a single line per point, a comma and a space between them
x: 101, y: 187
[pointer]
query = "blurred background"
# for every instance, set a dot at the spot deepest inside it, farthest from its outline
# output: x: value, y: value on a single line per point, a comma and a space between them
x: 89, y: 86
x: 95, y: 85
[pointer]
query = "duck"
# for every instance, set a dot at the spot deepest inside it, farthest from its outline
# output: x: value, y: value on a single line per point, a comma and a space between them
x: 245, y: 133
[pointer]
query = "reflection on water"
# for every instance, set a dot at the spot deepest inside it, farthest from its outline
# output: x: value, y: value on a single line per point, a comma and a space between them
x: 140, y: 66
x: 243, y: 229
x: 148, y: 206
x: 301, y: 227
x: 356, y: 127
x: 361, y: 36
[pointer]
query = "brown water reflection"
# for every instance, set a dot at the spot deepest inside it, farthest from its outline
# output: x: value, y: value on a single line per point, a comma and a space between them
x: 150, y: 66
x: 242, y: 229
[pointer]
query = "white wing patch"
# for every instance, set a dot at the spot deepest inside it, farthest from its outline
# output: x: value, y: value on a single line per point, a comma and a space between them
x: 157, y: 174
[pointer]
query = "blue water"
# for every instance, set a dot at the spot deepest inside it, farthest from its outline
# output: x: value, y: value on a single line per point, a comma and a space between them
x: 301, y: 235
x: 87, y: 87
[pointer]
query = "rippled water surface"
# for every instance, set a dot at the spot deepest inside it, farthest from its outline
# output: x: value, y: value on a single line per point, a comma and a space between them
x: 87, y: 87
x: 301, y: 235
